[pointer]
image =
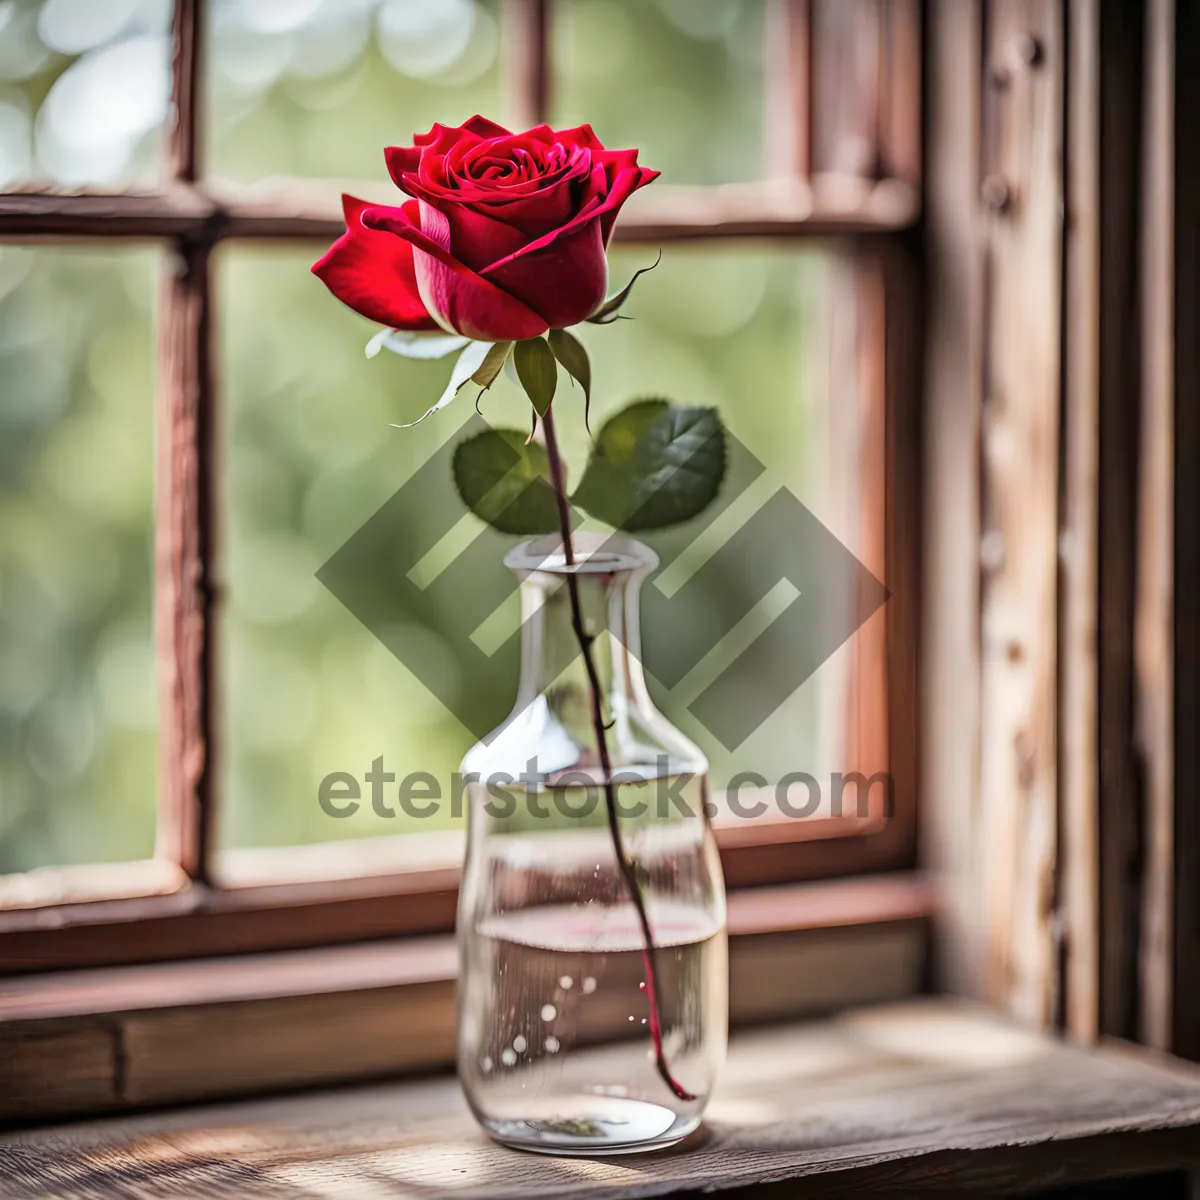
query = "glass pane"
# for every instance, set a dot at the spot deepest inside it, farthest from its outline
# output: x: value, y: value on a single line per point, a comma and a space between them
x: 319, y: 87
x: 680, y: 79
x: 743, y: 331
x: 310, y: 691
x: 84, y: 90
x: 78, y: 707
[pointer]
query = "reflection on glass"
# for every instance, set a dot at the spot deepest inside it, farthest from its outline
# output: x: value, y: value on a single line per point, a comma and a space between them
x: 84, y: 90
x: 309, y: 454
x: 680, y: 79
x: 319, y: 87
x: 78, y: 708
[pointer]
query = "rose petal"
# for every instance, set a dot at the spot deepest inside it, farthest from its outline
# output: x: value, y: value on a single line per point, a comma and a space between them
x: 628, y: 180
x: 626, y: 183
x: 564, y: 281
x: 528, y: 212
x: 373, y: 273
x: 462, y: 301
x: 476, y: 239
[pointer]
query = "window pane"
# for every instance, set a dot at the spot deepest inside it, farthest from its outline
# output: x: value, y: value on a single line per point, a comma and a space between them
x: 310, y: 458
x: 318, y: 88
x: 679, y: 79
x: 742, y: 331
x: 78, y: 708
x: 84, y: 90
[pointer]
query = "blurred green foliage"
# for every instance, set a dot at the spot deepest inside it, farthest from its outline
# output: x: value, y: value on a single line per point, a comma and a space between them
x: 307, y: 453
x: 78, y: 709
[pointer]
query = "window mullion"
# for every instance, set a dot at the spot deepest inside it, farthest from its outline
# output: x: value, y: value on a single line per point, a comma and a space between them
x: 526, y: 62
x: 184, y: 515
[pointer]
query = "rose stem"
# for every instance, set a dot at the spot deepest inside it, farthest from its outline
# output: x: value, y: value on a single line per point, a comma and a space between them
x: 649, y: 955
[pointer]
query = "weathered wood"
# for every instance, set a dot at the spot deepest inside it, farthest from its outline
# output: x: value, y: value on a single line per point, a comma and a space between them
x: 1021, y: 375
x: 185, y: 603
x: 904, y: 519
x: 1078, y: 851
x: 300, y: 210
x: 846, y: 53
x: 202, y: 921
x: 900, y: 92
x: 1154, y: 602
x: 931, y: 1097
x: 181, y: 160
x: 182, y: 1031
x: 525, y: 29
x: 1186, y: 985
x: 951, y: 837
x: 787, y: 55
x: 185, y: 600
x: 51, y: 1071
x: 1121, y: 40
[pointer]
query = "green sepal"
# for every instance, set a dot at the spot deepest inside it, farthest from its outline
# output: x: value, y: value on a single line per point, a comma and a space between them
x: 573, y: 355
x: 537, y: 371
x: 607, y: 313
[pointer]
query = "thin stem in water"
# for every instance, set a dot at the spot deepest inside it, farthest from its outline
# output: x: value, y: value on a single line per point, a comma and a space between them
x: 624, y: 865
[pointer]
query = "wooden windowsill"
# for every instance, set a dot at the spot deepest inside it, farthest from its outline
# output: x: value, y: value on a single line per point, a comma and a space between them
x: 932, y: 1096
x: 77, y: 1042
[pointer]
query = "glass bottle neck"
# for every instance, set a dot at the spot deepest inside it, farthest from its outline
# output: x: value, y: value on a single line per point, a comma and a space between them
x: 553, y: 720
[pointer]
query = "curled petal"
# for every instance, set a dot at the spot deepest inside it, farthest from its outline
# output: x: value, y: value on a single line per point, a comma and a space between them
x: 461, y: 300
x: 606, y: 208
x: 373, y: 273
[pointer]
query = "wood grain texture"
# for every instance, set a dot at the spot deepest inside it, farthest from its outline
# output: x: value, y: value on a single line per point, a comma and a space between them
x: 189, y: 1030
x: 1078, y: 851
x: 1121, y: 867
x: 930, y: 1097
x: 1186, y: 989
x: 950, y: 831
x: 58, y: 1070
x: 788, y: 99
x: 1154, y: 600
x: 1018, y: 602
x: 185, y: 601
x: 525, y: 28
x: 310, y: 210
x: 182, y: 160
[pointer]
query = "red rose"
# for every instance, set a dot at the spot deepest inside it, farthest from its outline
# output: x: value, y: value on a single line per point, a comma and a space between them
x: 504, y: 237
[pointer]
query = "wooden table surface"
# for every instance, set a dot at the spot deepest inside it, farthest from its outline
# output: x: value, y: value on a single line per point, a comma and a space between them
x: 930, y: 1095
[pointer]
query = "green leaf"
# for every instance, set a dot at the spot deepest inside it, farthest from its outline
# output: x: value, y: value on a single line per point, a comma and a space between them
x: 493, y: 363
x: 469, y: 361
x: 506, y: 482
x: 653, y: 465
x: 538, y: 372
x: 570, y: 351
x: 415, y: 345
x: 607, y: 313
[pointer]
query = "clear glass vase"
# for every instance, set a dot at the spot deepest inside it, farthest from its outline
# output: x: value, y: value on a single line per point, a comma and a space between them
x: 573, y: 1038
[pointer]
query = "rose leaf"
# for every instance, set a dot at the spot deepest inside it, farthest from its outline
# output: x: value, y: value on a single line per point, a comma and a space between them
x: 608, y: 312
x: 538, y: 372
x: 469, y: 361
x: 574, y: 357
x: 506, y: 482
x: 415, y: 345
x: 653, y: 465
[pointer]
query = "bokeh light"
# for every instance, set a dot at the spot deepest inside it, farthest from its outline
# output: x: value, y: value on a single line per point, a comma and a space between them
x: 78, y: 700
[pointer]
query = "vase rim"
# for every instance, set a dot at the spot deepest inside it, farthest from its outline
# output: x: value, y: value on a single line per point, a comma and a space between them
x: 595, y: 554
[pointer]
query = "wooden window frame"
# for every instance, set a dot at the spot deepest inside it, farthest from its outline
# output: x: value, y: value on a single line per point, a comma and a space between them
x: 179, y: 906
